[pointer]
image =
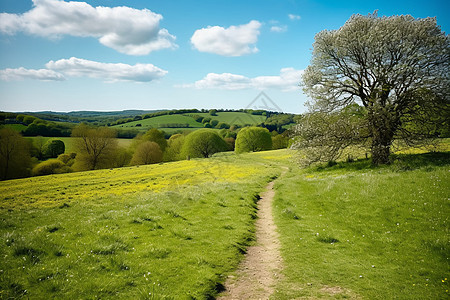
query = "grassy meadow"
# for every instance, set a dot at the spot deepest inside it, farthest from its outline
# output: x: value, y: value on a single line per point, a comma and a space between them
x: 69, y: 142
x: 238, y: 118
x: 160, y: 122
x: 176, y: 230
x: 354, y: 231
x: 167, y: 231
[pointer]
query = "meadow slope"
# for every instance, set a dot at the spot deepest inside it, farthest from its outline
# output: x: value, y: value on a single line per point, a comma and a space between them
x: 162, y: 231
x: 355, y: 231
x: 177, y: 230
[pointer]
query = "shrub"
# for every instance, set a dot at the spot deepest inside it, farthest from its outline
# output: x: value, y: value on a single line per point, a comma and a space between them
x: 147, y: 153
x: 51, y: 166
x: 54, y: 148
x: 157, y: 136
x: 252, y: 139
x: 203, y: 143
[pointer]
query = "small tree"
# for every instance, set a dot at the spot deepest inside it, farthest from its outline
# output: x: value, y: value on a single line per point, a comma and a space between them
x: 203, y: 143
x: 147, y: 153
x: 396, y: 67
x: 95, y: 147
x: 279, y: 141
x: 54, y: 148
x: 252, y: 139
x: 157, y: 136
x: 38, y: 147
x: 15, y: 156
x: 174, y: 146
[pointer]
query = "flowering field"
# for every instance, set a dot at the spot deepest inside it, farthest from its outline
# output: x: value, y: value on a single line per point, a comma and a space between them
x: 160, y: 231
x: 176, y: 230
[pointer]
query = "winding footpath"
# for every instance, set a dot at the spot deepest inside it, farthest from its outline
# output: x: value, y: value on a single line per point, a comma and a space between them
x: 260, y: 270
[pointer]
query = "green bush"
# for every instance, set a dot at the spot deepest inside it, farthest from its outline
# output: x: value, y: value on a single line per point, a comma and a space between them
x: 203, y: 143
x: 253, y: 139
x: 51, y: 166
x: 54, y: 148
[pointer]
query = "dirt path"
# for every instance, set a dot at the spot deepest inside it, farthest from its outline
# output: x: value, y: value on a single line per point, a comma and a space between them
x: 259, y: 271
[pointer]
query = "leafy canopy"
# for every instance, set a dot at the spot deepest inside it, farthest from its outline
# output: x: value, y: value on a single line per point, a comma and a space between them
x: 396, y: 67
x: 252, y: 139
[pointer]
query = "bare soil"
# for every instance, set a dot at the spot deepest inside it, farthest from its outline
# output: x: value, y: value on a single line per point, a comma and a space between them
x: 260, y: 270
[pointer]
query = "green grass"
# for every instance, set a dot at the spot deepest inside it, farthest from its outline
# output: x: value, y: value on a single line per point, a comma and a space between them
x: 69, y: 142
x: 237, y: 118
x: 356, y: 231
x: 16, y: 127
x: 176, y: 230
x: 166, y: 231
x: 160, y: 121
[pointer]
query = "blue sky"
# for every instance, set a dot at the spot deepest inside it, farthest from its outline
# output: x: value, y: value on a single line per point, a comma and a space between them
x: 114, y: 55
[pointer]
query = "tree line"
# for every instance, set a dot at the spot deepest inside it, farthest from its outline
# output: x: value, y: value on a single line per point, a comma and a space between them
x: 98, y: 148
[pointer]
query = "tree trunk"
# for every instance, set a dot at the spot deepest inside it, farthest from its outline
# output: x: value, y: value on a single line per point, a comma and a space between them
x: 382, y: 125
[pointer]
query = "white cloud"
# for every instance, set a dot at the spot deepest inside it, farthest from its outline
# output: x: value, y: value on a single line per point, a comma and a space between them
x: 282, y: 28
x: 22, y: 73
x: 288, y: 80
x: 127, y: 30
x: 231, y: 41
x: 294, y: 17
x: 78, y: 67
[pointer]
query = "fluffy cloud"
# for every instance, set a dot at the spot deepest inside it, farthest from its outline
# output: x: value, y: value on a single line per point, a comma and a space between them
x: 288, y: 80
x: 127, y: 30
x: 231, y: 41
x: 22, y: 73
x: 294, y: 17
x: 77, y: 67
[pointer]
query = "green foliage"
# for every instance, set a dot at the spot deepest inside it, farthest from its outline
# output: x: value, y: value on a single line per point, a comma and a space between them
x: 51, y: 166
x: 213, y: 112
x: 95, y: 147
x: 280, y: 141
x: 277, y: 121
x: 380, y: 62
x: 147, y: 153
x: 20, y: 118
x: 53, y: 148
x: 50, y: 129
x: 157, y: 136
x: 214, y: 123
x: 253, y: 139
x: 15, y: 159
x: 28, y: 119
x: 222, y: 125
x: 322, y: 137
x: 203, y: 143
x: 174, y: 147
x: 67, y: 159
x: 123, y: 157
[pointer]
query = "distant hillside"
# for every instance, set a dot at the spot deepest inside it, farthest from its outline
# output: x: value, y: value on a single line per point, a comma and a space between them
x: 89, y: 116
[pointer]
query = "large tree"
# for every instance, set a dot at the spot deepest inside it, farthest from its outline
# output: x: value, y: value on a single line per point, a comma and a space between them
x: 95, y: 147
x: 396, y: 67
x: 15, y: 159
